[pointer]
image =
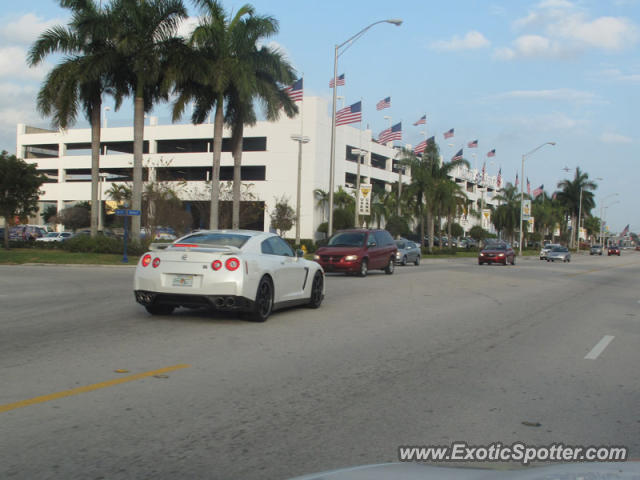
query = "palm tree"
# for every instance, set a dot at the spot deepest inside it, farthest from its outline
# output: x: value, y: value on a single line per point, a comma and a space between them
x: 506, y: 216
x: 81, y: 79
x: 146, y: 36
x: 569, y: 194
x: 263, y: 74
x: 452, y: 201
x: 322, y: 201
x: 204, y: 78
x: 420, y: 186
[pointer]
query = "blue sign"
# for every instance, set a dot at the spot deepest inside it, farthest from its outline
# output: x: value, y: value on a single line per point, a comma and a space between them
x: 127, y: 213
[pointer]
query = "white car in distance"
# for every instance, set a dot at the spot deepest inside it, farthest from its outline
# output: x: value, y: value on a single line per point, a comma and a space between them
x: 55, y: 237
x: 232, y: 270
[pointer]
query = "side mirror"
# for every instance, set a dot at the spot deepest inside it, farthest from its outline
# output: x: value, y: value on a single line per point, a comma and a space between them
x: 299, y: 253
x: 371, y: 244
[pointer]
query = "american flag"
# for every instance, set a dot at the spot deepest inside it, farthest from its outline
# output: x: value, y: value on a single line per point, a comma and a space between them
x: 295, y: 91
x: 491, y: 153
x: 457, y: 156
x: 421, y: 121
x: 350, y: 114
x: 625, y: 231
x: 391, y: 134
x: 538, y: 191
x: 473, y: 144
x: 419, y: 148
x: 384, y: 103
x: 499, y: 180
x: 448, y: 133
x: 528, y: 187
x: 340, y: 81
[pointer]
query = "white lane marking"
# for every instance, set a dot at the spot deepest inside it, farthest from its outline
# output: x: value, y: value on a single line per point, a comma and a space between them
x: 599, y: 348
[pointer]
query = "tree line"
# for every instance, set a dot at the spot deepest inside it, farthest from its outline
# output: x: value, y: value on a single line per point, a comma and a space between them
x: 132, y: 49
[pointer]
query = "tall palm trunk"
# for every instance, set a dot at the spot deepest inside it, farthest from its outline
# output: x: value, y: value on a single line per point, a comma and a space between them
x: 95, y: 166
x: 236, y: 140
x: 431, y: 228
x: 449, y: 218
x: 214, y: 213
x: 574, y: 227
x: 138, y: 139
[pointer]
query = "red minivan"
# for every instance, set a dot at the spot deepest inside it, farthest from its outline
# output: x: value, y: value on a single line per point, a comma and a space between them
x: 358, y: 251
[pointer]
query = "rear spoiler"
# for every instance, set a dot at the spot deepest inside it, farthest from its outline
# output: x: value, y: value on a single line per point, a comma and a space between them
x: 154, y: 247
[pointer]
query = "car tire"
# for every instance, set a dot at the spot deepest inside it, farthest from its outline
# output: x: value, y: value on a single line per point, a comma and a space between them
x: 363, y: 268
x: 315, y: 300
x: 513, y: 260
x: 390, y: 268
x: 160, y: 309
x: 263, y: 305
x: 417, y: 262
x: 404, y: 261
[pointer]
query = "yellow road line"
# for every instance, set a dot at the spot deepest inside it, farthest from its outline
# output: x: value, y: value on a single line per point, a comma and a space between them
x: 87, y: 388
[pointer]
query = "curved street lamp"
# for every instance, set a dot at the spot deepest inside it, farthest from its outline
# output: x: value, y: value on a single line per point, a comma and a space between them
x: 522, y: 188
x: 394, y: 21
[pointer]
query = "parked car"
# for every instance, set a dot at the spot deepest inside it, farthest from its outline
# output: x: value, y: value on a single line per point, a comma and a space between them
x: 497, y: 253
x: 613, y: 250
x: 407, y: 252
x: 55, y: 237
x: 358, y: 251
x: 240, y: 270
x: 467, y: 243
x: 559, y: 253
x: 544, y: 251
x: 595, y: 250
x: 26, y: 233
x: 445, y: 242
x: 436, y: 241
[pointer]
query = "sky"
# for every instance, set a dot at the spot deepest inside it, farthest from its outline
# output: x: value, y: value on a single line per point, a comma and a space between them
x: 511, y: 74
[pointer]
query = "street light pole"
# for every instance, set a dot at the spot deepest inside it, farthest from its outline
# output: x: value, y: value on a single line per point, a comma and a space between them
x: 602, y: 207
x: 301, y: 139
x: 332, y: 161
x: 522, y: 189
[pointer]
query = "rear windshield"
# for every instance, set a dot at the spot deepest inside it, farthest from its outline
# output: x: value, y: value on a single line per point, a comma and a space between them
x: 216, y: 239
x: 347, y: 239
x: 51, y: 235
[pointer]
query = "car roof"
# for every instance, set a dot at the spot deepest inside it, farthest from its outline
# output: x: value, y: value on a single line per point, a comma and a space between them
x: 249, y: 233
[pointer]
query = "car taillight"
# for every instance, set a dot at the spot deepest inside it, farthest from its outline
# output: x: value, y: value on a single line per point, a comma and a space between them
x: 156, y: 262
x: 232, y: 264
x: 216, y: 265
x: 146, y: 260
x: 189, y: 245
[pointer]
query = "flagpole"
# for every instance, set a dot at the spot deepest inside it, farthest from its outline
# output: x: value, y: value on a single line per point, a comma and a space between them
x: 359, y: 158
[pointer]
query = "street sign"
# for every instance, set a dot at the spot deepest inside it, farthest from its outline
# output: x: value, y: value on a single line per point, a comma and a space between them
x: 526, y: 210
x: 364, y: 199
x: 124, y: 212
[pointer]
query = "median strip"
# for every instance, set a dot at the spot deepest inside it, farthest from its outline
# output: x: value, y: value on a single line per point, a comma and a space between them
x: 88, y: 388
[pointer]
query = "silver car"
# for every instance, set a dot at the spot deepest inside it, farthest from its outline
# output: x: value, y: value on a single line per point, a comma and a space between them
x: 596, y: 250
x: 559, y: 253
x: 546, y: 249
x: 408, y: 252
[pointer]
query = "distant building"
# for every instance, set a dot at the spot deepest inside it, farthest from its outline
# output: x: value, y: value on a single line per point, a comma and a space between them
x: 181, y: 156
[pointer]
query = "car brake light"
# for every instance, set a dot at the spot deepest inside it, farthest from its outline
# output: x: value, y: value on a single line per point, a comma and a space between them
x: 146, y: 260
x: 190, y: 245
x: 156, y: 262
x: 232, y: 264
x: 216, y: 265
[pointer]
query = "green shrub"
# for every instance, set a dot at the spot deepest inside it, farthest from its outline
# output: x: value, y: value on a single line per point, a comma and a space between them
x: 102, y: 244
x: 308, y: 243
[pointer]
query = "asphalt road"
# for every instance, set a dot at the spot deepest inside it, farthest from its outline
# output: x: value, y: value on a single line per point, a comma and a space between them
x: 443, y: 352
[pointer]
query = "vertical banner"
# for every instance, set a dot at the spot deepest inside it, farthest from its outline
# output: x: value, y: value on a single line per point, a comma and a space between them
x: 486, y: 219
x: 531, y: 222
x: 364, y: 200
x: 556, y: 231
x: 526, y: 210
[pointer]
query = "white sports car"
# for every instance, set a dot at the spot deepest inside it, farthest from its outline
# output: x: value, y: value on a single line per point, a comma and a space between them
x: 235, y: 270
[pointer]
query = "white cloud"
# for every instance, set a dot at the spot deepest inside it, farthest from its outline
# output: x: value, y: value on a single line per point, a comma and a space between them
x: 26, y: 29
x: 616, y: 75
x: 470, y: 41
x: 559, y: 29
x: 610, y: 137
x: 547, y: 122
x: 187, y: 26
x: 13, y: 64
x: 555, y: 95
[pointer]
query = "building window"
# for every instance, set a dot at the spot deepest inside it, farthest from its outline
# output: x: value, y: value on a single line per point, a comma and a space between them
x: 203, y: 145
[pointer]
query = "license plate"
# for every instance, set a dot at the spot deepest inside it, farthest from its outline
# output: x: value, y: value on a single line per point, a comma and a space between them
x: 183, y: 281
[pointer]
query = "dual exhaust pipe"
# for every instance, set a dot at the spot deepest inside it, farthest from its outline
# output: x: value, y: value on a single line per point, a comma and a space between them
x: 225, y: 302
